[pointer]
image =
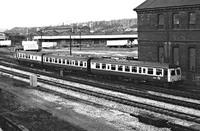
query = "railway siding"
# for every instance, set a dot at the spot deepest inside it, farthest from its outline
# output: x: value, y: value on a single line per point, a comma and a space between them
x: 121, y: 95
x: 90, y: 98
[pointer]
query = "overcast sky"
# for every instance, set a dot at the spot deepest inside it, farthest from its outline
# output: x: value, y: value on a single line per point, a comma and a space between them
x: 32, y: 13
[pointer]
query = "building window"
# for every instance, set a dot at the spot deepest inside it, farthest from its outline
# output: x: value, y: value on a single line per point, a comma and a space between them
x: 192, y: 59
x: 160, y: 21
x: 175, y: 21
x: 192, y: 20
x: 176, y: 55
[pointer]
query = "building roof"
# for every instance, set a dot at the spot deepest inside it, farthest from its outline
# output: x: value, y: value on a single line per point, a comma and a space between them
x: 149, y: 4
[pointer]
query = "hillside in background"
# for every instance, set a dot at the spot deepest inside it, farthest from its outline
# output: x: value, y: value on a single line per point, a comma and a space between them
x: 121, y: 26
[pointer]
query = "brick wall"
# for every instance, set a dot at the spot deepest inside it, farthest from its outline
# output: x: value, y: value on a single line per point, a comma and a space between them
x: 150, y: 38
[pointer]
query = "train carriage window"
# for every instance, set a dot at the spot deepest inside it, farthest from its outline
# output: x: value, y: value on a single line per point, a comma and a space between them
x: 140, y: 69
x: 150, y: 71
x: 50, y: 59
x: 127, y: 68
x: 144, y: 70
x: 173, y: 73
x: 97, y: 65
x: 73, y: 62
x: 178, y: 71
x: 76, y: 63
x: 68, y: 62
x: 36, y: 58
x: 113, y: 67
x: 55, y: 60
x: 120, y: 68
x: 63, y: 61
x: 60, y: 61
x: 159, y: 72
x: 103, y: 66
x: 134, y: 69
x: 81, y: 63
x: 85, y: 64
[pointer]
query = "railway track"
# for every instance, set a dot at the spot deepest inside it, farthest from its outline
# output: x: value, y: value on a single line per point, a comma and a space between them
x: 181, y: 91
x: 168, y: 112
x: 142, y: 92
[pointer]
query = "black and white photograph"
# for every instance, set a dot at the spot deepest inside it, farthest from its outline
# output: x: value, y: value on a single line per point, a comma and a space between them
x: 100, y: 65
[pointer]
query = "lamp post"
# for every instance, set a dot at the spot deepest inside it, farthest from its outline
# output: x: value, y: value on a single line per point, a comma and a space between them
x: 70, y: 45
x: 41, y: 33
x: 80, y: 40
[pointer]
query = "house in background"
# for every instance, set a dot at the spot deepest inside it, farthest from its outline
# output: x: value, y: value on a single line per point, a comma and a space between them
x: 2, y: 36
x: 169, y: 31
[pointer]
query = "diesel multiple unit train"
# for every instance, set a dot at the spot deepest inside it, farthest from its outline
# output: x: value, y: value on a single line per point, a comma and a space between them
x: 162, y: 73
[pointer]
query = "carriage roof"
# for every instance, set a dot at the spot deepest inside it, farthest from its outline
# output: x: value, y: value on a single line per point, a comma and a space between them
x: 135, y: 63
x: 31, y: 53
x: 73, y: 57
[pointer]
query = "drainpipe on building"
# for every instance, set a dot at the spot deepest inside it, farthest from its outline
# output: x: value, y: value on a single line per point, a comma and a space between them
x: 168, y: 43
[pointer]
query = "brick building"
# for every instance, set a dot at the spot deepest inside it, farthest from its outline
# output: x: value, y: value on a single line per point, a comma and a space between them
x: 169, y: 31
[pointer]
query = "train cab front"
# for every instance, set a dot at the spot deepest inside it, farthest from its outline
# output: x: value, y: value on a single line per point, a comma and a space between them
x: 174, y: 77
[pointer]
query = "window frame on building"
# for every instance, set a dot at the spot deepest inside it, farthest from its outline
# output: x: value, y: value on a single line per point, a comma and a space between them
x: 176, y: 60
x: 160, y: 21
x: 175, y: 21
x: 194, y: 59
x: 191, y: 21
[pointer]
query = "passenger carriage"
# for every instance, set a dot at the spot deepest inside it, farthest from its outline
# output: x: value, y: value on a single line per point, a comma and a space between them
x: 137, y: 70
x: 65, y: 62
x: 29, y: 58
